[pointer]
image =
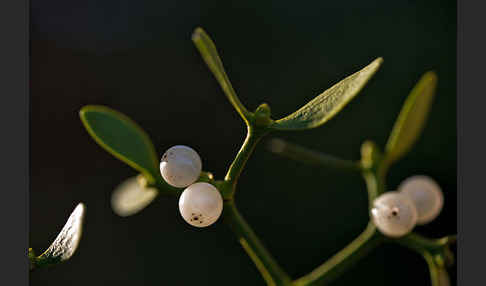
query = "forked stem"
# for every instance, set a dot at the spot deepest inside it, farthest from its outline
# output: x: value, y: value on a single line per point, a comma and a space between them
x: 254, y: 134
x: 271, y: 272
x: 373, y: 171
x: 358, y: 248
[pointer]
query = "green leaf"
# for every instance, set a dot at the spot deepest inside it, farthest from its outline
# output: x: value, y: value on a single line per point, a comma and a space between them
x: 412, y: 117
x: 67, y: 240
x: 210, y: 55
x: 132, y: 196
x: 322, y: 108
x: 122, y: 137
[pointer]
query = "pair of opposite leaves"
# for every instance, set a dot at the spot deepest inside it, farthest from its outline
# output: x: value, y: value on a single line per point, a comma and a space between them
x: 124, y: 139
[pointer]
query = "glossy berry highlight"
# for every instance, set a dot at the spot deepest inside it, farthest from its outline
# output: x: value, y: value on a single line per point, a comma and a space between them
x: 180, y: 166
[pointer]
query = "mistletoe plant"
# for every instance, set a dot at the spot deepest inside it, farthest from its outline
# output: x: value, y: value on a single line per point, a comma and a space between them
x: 394, y: 214
x: 202, y: 198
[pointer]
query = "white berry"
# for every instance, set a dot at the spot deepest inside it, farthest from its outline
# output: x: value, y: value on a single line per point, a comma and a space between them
x: 200, y: 204
x: 132, y: 196
x: 394, y: 214
x: 180, y: 166
x: 427, y: 196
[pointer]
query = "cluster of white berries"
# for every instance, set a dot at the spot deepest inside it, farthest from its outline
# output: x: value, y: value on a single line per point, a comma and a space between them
x: 418, y: 201
x: 200, y: 204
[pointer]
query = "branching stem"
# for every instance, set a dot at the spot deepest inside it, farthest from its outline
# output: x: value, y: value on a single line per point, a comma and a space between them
x: 358, y: 248
x: 373, y: 172
x: 254, y: 134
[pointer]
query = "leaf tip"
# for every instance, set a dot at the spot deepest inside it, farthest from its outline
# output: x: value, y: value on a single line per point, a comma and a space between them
x: 89, y: 108
x: 197, y: 34
x: 430, y: 76
x: 80, y: 210
x: 82, y: 111
x: 376, y: 63
x: 83, y: 114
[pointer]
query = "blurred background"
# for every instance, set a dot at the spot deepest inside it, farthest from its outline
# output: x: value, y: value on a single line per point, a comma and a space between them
x: 137, y: 57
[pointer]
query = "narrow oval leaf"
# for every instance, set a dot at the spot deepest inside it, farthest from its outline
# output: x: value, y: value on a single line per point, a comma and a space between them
x: 208, y: 51
x: 130, y: 197
x: 67, y: 240
x: 322, y: 108
x: 412, y: 117
x: 122, y: 137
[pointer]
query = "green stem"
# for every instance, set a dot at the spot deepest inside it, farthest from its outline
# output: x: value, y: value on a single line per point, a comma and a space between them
x: 366, y: 241
x: 372, y: 186
x: 252, y: 137
x: 266, y: 264
x: 336, y: 265
x: 432, y: 251
x: 299, y: 153
x: 375, y: 186
x: 420, y: 243
x: 436, y: 253
x: 433, y: 269
x: 32, y: 259
x: 438, y: 248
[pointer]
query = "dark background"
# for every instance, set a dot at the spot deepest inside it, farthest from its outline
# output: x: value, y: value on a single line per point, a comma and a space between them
x: 137, y: 57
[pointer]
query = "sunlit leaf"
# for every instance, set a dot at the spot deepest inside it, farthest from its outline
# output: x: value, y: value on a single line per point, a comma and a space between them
x: 412, y: 118
x: 67, y: 240
x: 210, y: 55
x: 131, y: 196
x: 122, y: 137
x: 322, y: 108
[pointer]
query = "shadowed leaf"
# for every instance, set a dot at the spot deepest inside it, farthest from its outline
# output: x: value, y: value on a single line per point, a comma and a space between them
x: 122, y: 137
x: 210, y: 55
x: 412, y: 117
x: 322, y: 108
